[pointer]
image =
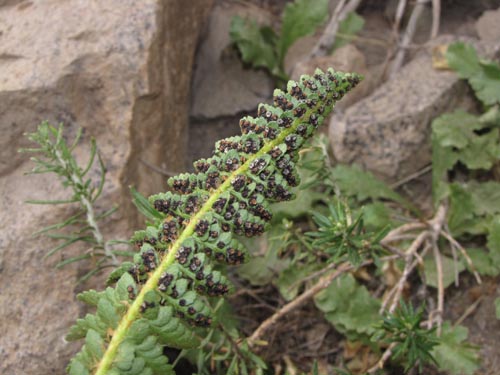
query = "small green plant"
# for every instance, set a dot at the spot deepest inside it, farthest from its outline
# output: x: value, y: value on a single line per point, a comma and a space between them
x: 403, y: 333
x: 263, y: 47
x: 343, y: 238
x: 55, y: 155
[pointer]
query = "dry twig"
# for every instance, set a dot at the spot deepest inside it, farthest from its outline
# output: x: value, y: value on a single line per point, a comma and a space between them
x: 400, y: 10
x: 468, y: 311
x: 436, y: 12
x: 455, y: 243
x: 380, y: 364
x: 325, y: 43
x: 323, y: 283
x: 395, y: 233
x: 440, y: 306
x: 409, y: 266
x: 407, y: 37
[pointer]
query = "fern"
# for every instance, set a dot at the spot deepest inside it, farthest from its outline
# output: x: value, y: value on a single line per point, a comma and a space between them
x: 159, y: 299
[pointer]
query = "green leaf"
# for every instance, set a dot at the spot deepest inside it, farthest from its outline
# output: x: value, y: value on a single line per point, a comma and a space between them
x: 261, y: 270
x: 482, y: 262
x: 461, y: 210
x: 450, y: 267
x: 126, y: 281
x: 483, y: 76
x: 463, y: 59
x: 256, y: 44
x: 300, y: 18
x: 486, y: 84
x: 226, y: 316
x: 491, y: 117
x: 349, y: 306
x: 363, y: 185
x: 350, y: 26
x: 455, y: 138
x: 90, y: 297
x: 443, y: 159
x: 483, y: 151
x: 485, y: 197
x: 497, y: 308
x: 82, y: 326
x: 94, y: 344
x: 289, y: 279
x: 125, y: 356
x: 107, y: 313
x: 171, y: 331
x: 77, y: 368
x: 376, y: 216
x: 299, y: 207
x: 143, y: 205
x: 455, y: 129
x: 493, y: 241
x: 67, y: 201
x: 453, y: 354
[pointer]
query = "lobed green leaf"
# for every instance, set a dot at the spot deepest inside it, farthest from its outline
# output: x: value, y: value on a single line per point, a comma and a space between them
x: 453, y: 354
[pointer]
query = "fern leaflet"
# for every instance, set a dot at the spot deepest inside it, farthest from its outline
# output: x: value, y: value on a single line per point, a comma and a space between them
x: 159, y: 298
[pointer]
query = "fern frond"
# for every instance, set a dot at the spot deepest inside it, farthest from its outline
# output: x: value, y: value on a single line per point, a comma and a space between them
x: 159, y: 299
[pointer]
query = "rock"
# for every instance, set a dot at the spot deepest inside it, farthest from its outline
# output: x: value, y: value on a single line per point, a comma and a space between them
x: 388, y: 132
x: 121, y: 70
x: 222, y: 86
x: 299, y: 50
x: 488, y: 26
x: 204, y: 133
x: 346, y: 59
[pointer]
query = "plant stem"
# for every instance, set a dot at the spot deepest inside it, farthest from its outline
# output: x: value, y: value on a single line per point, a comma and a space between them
x: 323, y: 283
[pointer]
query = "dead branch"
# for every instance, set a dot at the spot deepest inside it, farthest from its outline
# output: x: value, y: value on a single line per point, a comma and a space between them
x: 380, y: 364
x: 323, y: 283
x: 395, y: 233
x: 325, y: 43
x: 400, y: 10
x: 439, y: 268
x: 436, y: 12
x: 455, y: 243
x: 407, y: 37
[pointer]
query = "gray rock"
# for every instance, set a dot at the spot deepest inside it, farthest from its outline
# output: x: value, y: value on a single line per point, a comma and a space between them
x: 388, y: 132
x: 120, y: 69
x: 204, y: 133
x: 221, y: 85
x: 298, y: 51
x: 488, y: 26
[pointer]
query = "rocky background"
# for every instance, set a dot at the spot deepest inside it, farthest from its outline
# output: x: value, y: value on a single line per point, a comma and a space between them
x: 156, y: 83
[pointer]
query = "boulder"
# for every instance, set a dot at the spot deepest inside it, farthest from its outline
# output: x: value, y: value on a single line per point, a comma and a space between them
x: 488, y: 26
x: 222, y: 86
x: 388, y: 132
x: 121, y: 70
